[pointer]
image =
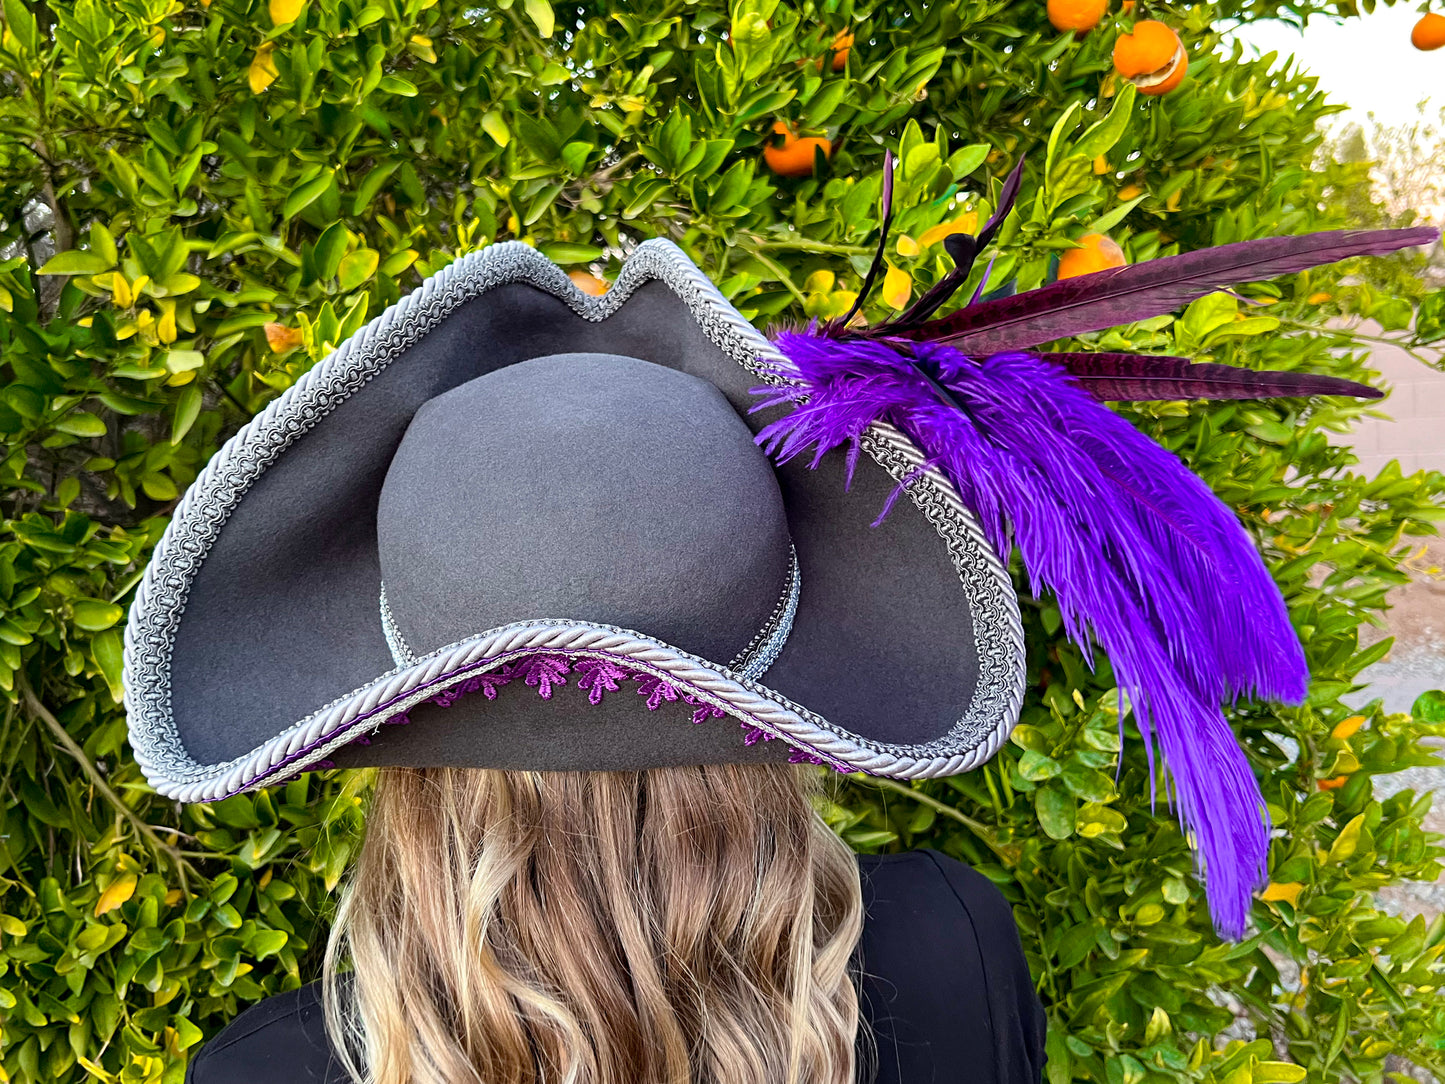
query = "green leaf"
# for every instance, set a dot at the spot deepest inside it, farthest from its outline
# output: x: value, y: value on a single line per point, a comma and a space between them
x: 108, y: 650
x: 94, y: 615
x: 1056, y: 810
x: 564, y: 252
x: 1036, y: 767
x: 540, y: 12
x: 1429, y: 707
x: 1106, y: 222
x: 1100, y: 137
x: 395, y: 84
x: 21, y: 23
x: 187, y: 410
x: 79, y: 423
x: 330, y: 247
x: 1068, y: 120
x: 574, y: 156
x: 75, y: 262
x: 1088, y: 783
x: 304, y: 195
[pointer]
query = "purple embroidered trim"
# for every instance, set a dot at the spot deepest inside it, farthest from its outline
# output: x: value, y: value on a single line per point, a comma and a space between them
x: 547, y: 671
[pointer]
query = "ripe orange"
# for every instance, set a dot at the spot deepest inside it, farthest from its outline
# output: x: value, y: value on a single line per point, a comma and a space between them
x: 790, y: 155
x: 1076, y: 14
x: 588, y: 283
x: 842, y: 43
x: 1097, y: 254
x: 1152, y: 57
x: 1429, y: 32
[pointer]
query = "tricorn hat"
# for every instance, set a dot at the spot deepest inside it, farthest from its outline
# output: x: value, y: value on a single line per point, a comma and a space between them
x: 554, y: 504
x: 554, y: 531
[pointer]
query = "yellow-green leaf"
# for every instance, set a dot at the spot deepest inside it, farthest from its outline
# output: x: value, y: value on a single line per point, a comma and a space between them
x: 496, y: 127
x: 75, y: 262
x: 95, y: 615
x: 1348, y: 840
x: 356, y: 267
x: 187, y: 410
x: 1278, y: 1072
x: 540, y: 12
x: 81, y: 424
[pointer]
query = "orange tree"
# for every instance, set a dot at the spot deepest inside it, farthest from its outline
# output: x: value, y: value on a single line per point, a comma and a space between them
x: 201, y: 198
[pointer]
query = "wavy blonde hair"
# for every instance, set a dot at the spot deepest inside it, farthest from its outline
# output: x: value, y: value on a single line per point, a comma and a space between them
x: 682, y: 925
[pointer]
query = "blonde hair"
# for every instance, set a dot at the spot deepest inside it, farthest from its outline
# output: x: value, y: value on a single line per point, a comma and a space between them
x: 683, y: 925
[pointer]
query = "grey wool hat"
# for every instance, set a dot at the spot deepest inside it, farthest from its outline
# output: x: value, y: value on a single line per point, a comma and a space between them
x: 537, y: 527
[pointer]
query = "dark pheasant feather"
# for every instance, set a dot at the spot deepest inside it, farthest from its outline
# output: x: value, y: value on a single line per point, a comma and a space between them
x: 1123, y: 378
x: 1123, y: 295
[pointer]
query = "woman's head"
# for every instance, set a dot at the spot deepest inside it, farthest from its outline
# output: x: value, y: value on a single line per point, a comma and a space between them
x: 661, y: 926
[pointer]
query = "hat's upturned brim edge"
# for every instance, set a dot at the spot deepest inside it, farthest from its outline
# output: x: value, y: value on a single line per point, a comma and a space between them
x: 161, y: 594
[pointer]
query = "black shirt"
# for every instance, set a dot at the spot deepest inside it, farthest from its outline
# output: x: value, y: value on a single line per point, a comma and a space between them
x: 945, y: 988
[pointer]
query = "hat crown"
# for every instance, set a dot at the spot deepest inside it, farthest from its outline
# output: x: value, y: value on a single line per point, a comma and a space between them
x: 592, y: 488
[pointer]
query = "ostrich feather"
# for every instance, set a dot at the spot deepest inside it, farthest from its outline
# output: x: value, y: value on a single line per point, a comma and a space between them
x: 1144, y: 561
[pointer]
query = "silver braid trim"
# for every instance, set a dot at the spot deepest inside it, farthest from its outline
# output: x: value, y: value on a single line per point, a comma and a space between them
x: 160, y: 597
x: 764, y: 648
x: 400, y: 653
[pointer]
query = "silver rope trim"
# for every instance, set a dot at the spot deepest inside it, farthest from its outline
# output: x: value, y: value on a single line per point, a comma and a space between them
x: 199, y: 515
x: 751, y: 662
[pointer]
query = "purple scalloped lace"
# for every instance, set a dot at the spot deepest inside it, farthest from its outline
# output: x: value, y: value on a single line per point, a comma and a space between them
x: 547, y: 671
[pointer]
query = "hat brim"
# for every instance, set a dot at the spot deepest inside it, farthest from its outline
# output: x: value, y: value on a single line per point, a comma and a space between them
x: 254, y: 648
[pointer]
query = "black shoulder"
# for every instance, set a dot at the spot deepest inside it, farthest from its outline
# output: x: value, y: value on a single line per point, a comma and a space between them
x: 279, y: 1040
x: 1017, y: 1017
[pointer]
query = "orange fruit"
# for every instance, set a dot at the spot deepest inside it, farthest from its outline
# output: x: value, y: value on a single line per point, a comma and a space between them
x: 1097, y: 254
x: 1429, y: 32
x: 1129, y: 191
x: 842, y: 43
x: 1076, y: 14
x: 790, y: 155
x: 1127, y: 6
x: 1152, y: 57
x: 588, y: 283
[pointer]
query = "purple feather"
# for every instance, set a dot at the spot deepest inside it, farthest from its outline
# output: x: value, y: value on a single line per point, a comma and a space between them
x: 1144, y: 560
x: 1123, y: 295
x: 1143, y: 377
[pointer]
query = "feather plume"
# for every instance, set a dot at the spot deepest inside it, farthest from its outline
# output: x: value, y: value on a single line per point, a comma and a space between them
x: 1123, y: 295
x: 1141, y: 377
x: 964, y: 249
x: 1144, y: 560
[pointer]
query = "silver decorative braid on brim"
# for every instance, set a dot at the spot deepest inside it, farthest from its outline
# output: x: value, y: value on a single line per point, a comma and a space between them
x: 160, y: 597
x: 750, y: 663
x: 400, y: 653
x: 753, y: 661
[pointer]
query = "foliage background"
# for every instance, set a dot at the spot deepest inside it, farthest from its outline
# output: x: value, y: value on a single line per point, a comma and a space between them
x: 198, y: 200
